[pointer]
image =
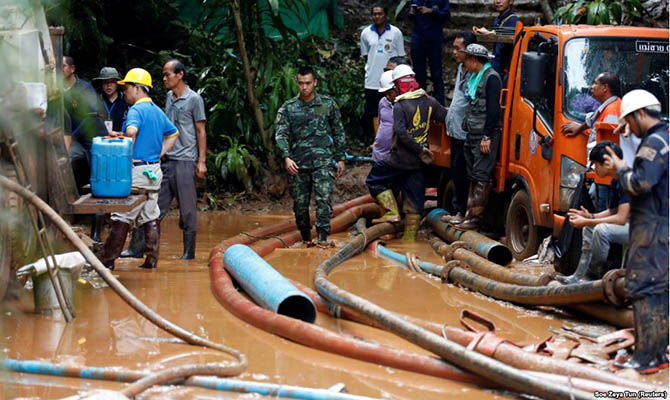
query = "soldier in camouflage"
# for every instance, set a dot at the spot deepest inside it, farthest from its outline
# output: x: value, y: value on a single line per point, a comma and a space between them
x: 310, y: 137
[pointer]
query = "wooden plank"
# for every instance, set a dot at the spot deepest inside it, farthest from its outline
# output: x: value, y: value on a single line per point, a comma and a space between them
x: 88, y: 204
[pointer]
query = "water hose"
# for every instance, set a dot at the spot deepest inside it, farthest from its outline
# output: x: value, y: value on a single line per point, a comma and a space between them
x: 488, y: 248
x: 477, y: 363
x: 145, y: 379
x: 266, y: 232
x: 484, y: 267
x: 506, y: 351
x: 320, y: 338
x: 266, y: 286
x: 231, y: 369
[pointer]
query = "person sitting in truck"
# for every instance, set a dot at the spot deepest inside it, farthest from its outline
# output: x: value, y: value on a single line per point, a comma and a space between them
x: 502, y: 52
x: 403, y: 166
x: 454, y: 127
x: 483, y: 127
x: 647, y: 262
x: 606, y: 89
x: 601, y: 229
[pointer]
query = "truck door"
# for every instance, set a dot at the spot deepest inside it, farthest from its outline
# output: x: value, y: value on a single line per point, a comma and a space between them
x: 531, y: 128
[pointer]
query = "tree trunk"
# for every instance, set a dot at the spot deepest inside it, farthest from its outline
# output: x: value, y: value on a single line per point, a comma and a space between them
x: 251, y: 92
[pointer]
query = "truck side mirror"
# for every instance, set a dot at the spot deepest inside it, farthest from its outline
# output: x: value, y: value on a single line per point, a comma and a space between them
x: 533, y: 67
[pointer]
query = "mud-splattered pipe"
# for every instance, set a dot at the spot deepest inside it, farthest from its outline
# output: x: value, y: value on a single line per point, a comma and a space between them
x: 508, y: 352
x: 484, y: 267
x: 479, y: 364
x: 125, y: 375
x: 265, y: 285
x: 323, y: 339
x: 488, y: 248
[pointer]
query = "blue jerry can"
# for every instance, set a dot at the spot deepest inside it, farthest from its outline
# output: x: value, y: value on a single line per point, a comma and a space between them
x: 111, y: 166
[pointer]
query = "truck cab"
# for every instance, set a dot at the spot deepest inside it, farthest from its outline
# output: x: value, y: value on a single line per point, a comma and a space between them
x: 551, y: 72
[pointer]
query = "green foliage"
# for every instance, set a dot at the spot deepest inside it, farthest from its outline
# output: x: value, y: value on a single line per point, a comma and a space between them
x: 146, y: 34
x: 236, y: 161
x: 599, y: 12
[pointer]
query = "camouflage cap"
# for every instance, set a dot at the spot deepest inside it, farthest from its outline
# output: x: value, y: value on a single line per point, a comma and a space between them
x: 108, y: 73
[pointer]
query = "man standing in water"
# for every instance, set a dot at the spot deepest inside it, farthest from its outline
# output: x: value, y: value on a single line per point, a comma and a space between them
x: 305, y: 125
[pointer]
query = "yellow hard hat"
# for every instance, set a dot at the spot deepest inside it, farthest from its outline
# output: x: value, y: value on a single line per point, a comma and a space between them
x: 137, y: 75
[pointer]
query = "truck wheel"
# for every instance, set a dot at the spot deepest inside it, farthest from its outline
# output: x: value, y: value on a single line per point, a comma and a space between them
x: 522, y: 235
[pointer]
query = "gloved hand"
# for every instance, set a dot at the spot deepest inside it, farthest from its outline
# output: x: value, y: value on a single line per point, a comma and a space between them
x: 426, y: 156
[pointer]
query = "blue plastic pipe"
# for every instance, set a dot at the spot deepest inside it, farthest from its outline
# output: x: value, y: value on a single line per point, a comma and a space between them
x: 220, y: 384
x: 349, y: 158
x: 425, y: 266
x: 266, y: 286
x: 488, y: 248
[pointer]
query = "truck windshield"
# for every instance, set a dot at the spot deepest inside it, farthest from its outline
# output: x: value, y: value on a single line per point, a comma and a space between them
x: 639, y: 63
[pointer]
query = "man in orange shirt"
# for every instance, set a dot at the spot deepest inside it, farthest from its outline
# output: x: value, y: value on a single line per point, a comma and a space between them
x: 606, y: 89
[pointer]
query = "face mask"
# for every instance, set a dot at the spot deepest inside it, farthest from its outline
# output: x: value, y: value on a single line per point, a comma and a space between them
x: 406, y: 84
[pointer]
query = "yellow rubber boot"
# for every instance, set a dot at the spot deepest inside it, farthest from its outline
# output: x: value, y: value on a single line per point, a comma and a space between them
x: 412, y: 222
x: 387, y: 202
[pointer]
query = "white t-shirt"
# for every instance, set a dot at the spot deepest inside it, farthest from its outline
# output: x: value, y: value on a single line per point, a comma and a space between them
x: 378, y: 49
x: 629, y: 147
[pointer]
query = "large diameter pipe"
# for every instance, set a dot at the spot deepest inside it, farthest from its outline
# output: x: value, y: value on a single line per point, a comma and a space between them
x: 115, y: 374
x: 484, y: 267
x: 315, y: 336
x: 505, y: 351
x: 619, y: 317
x: 267, y: 286
x: 281, y: 227
x: 486, y: 247
x: 477, y: 363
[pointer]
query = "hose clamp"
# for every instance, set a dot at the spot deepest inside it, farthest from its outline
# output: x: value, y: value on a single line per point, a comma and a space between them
x: 451, y: 248
x: 446, y: 269
x: 609, y: 282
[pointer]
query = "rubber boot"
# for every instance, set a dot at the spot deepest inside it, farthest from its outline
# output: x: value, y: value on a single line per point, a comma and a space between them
x: 114, y: 244
x: 476, y: 209
x: 96, y: 227
x: 322, y: 241
x: 580, y: 272
x: 458, y: 217
x: 387, y: 201
x: 412, y: 222
x: 651, y: 335
x: 136, y: 247
x: 189, y: 246
x: 151, y: 244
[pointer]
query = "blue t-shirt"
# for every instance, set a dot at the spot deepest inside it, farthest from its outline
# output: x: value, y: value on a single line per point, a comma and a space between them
x: 617, y: 195
x: 152, y: 127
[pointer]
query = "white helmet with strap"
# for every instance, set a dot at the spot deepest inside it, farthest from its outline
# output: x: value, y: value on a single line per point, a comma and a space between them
x: 402, y: 70
x: 636, y: 100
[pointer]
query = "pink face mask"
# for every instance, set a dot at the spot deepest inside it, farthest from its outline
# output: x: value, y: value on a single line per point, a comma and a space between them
x: 406, y: 84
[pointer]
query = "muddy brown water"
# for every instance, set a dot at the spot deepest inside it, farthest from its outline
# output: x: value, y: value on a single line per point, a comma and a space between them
x: 108, y: 333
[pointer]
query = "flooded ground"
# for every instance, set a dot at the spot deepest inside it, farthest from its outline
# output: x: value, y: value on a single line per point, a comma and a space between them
x: 109, y: 333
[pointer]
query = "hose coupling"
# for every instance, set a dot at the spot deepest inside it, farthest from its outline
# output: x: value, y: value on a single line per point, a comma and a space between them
x: 446, y: 269
x: 451, y: 248
x: 609, y: 292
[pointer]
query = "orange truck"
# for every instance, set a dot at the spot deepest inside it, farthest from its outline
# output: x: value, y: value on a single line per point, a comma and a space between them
x: 551, y: 71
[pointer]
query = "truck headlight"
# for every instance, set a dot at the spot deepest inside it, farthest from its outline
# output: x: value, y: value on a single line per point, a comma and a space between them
x: 571, y: 172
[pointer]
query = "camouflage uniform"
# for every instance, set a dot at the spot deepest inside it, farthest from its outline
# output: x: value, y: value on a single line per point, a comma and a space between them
x: 303, y: 134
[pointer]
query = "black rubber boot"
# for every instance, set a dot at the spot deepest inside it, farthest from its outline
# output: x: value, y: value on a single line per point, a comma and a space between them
x: 114, y: 243
x: 580, y: 272
x: 651, y: 335
x: 96, y: 227
x: 189, y: 246
x: 136, y: 247
x: 151, y: 244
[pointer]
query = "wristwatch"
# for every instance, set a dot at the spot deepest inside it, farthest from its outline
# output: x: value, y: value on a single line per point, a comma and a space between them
x: 486, y: 138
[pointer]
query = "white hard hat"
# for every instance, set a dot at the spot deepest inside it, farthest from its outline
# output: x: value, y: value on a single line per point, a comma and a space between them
x: 402, y: 70
x: 386, y: 82
x: 635, y: 100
